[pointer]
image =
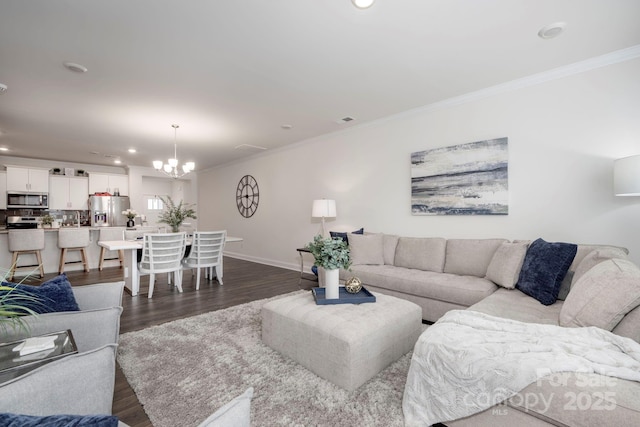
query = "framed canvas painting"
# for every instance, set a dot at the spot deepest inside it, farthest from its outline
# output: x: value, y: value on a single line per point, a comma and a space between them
x: 466, y: 179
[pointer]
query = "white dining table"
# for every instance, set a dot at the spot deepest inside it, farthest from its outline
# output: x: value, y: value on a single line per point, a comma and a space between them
x: 130, y: 248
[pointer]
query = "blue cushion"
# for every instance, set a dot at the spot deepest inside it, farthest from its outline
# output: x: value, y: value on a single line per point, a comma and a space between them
x: 14, y: 420
x: 53, y: 295
x: 543, y: 269
x: 344, y: 235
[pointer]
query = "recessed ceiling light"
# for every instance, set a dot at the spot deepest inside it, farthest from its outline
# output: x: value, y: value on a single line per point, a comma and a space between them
x: 362, y: 4
x: 76, y: 68
x: 117, y: 161
x: 286, y: 127
x: 552, y: 30
x: 3, y: 88
x: 132, y: 150
x: 4, y: 149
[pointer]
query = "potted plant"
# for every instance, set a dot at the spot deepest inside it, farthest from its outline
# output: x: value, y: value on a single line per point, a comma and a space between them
x: 330, y: 255
x: 14, y: 305
x: 130, y: 214
x: 47, y: 220
x: 174, y: 215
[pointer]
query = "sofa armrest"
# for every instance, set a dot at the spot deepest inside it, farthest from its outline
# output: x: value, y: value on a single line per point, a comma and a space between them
x: 91, y: 329
x: 100, y: 295
x: 80, y: 384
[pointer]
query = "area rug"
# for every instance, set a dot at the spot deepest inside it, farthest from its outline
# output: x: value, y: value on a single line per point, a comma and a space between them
x: 182, y: 371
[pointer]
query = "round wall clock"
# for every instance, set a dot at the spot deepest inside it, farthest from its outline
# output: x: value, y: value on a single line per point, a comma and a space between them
x: 247, y: 196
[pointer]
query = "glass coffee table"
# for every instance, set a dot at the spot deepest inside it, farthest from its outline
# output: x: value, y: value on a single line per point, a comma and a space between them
x: 21, y: 356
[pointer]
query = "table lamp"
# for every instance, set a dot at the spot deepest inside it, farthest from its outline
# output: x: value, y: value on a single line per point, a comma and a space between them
x: 323, y: 208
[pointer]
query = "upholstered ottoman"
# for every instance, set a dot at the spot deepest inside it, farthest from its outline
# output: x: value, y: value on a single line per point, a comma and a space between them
x: 346, y: 344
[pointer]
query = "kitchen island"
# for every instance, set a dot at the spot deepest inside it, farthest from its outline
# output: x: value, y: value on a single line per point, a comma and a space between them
x: 51, y: 253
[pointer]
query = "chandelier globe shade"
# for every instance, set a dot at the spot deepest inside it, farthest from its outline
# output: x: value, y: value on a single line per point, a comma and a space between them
x: 171, y: 168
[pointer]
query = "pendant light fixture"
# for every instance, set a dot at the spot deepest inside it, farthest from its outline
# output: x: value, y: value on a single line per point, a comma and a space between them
x: 171, y: 167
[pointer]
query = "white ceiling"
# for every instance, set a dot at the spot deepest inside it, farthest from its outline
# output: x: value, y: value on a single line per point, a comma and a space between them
x: 232, y: 72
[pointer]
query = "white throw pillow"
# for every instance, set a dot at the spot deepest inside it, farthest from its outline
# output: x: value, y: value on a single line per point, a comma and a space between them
x: 367, y: 249
x: 236, y: 413
x: 506, y: 263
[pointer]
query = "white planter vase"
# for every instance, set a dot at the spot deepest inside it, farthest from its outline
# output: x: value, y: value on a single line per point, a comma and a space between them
x: 331, y: 283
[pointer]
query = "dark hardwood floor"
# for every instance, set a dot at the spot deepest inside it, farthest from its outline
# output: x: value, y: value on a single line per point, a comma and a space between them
x: 243, y: 282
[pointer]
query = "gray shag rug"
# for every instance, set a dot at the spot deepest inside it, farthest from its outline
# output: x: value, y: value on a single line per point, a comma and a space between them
x: 183, y: 371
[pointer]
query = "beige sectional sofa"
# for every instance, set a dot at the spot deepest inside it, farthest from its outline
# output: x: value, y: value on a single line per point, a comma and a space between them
x: 601, y: 288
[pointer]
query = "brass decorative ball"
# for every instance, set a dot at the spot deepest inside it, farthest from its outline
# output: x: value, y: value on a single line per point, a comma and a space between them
x: 353, y: 285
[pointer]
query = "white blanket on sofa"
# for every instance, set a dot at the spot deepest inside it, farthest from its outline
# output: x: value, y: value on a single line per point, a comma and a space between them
x: 468, y: 361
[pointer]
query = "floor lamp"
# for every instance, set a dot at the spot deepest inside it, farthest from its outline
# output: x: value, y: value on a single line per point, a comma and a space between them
x: 626, y: 176
x: 323, y: 209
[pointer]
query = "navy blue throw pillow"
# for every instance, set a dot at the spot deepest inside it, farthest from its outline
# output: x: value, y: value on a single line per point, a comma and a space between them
x: 15, y: 420
x: 343, y: 235
x: 543, y: 269
x: 52, y: 296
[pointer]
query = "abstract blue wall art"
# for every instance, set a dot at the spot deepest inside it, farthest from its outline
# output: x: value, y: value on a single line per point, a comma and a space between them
x: 467, y: 179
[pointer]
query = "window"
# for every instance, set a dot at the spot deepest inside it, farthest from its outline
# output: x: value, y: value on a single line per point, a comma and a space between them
x: 154, y: 204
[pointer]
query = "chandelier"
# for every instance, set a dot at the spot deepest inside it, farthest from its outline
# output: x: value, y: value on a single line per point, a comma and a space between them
x: 171, y: 167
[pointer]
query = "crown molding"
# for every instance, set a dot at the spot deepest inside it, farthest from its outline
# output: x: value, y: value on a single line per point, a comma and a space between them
x: 611, y: 58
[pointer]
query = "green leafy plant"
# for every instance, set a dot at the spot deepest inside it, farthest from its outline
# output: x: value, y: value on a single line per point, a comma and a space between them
x: 174, y: 215
x: 15, y: 304
x: 47, y: 220
x: 330, y: 253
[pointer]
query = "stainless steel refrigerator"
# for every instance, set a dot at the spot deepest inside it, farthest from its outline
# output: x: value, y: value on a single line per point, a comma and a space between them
x: 106, y: 211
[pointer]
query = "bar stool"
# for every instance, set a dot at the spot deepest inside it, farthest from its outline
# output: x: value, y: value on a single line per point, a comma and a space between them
x: 73, y: 239
x: 22, y: 242
x: 106, y: 234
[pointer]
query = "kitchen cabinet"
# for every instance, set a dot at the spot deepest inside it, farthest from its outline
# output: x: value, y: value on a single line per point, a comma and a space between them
x: 68, y: 193
x: 102, y: 182
x: 27, y: 179
x: 3, y: 190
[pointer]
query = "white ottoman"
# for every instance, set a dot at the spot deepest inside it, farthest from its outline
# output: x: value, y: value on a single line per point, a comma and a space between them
x: 346, y: 344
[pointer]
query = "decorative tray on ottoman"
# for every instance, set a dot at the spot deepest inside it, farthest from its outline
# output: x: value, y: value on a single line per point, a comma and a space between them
x: 344, y: 297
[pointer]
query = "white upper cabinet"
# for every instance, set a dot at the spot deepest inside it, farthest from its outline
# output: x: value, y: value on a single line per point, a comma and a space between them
x: 27, y: 179
x: 68, y: 193
x: 110, y: 183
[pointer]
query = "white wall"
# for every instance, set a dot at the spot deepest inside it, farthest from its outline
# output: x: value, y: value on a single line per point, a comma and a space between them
x: 563, y: 137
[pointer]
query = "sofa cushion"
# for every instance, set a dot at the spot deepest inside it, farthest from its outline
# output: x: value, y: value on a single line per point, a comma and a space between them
x: 54, y: 295
x: 344, y: 235
x: 506, y: 263
x: 366, y: 249
x: 594, y: 258
x: 515, y: 305
x: 582, y: 252
x: 79, y: 384
x: 470, y: 257
x: 421, y: 253
x: 603, y: 295
x: 543, y: 269
x: 452, y: 288
x: 390, y: 243
x: 629, y: 326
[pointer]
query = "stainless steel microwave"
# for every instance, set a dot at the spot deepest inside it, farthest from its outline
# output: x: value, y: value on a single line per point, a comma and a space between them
x: 27, y: 200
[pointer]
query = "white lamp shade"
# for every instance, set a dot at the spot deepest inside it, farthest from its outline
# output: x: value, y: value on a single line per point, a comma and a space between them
x: 323, y: 208
x: 157, y: 164
x: 626, y: 176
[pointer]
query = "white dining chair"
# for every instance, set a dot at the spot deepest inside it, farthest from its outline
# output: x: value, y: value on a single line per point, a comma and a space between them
x: 162, y: 253
x: 206, y: 252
